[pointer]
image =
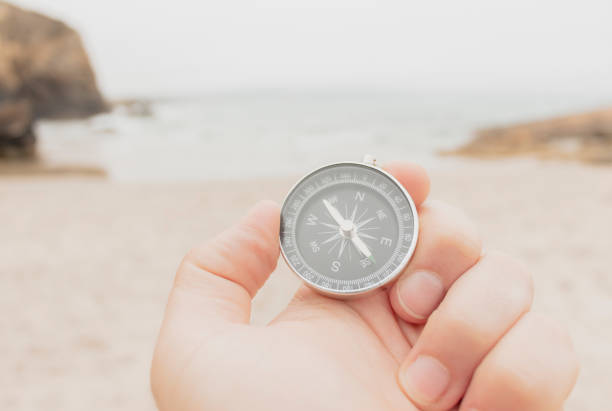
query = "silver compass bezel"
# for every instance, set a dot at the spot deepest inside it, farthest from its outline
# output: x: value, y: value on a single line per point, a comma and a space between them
x: 398, y: 270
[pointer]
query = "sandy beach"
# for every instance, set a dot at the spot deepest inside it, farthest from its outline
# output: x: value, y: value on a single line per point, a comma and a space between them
x: 124, y: 145
x: 86, y: 265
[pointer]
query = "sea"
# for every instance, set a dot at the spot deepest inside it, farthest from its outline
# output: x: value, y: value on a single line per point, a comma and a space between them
x: 234, y: 135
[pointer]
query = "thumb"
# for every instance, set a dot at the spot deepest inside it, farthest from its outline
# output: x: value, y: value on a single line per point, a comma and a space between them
x: 213, y: 288
x: 217, y: 280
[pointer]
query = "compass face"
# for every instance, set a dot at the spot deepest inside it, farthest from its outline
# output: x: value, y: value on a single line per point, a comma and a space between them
x: 348, y: 228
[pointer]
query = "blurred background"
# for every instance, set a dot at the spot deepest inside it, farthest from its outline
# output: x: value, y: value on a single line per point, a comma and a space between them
x: 131, y: 131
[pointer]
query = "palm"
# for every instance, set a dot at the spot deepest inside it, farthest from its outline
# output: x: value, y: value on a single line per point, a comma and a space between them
x: 318, y: 353
x: 327, y: 354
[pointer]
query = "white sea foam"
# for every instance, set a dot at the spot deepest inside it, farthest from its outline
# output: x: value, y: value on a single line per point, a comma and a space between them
x: 272, y: 134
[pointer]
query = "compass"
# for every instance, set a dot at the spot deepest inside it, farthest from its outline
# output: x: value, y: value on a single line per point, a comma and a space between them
x: 348, y: 228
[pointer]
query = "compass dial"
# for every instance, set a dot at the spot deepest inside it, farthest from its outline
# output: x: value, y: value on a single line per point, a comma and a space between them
x: 348, y: 228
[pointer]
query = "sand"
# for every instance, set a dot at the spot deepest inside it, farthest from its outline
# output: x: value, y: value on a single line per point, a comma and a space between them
x: 86, y: 265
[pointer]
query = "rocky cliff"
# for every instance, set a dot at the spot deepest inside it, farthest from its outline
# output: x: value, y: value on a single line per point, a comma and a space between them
x: 44, y: 73
x: 584, y: 137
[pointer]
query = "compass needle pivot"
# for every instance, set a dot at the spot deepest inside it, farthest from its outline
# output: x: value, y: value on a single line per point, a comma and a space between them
x: 367, y: 244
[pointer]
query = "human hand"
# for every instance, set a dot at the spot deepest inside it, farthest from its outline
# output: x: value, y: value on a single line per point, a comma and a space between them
x: 455, y: 330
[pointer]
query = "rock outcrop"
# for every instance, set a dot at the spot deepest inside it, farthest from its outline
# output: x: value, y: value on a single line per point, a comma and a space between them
x: 44, y: 73
x: 583, y: 137
x: 16, y: 133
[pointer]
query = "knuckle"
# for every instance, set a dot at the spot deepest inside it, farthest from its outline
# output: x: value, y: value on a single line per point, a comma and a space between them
x: 245, y: 253
x: 258, y: 241
x: 551, y: 328
x: 557, y: 334
x: 452, y: 230
x: 521, y: 386
x: 192, y: 255
x: 536, y: 379
x: 513, y: 272
x: 534, y: 364
x: 185, y: 272
x: 469, y: 332
x: 246, y: 238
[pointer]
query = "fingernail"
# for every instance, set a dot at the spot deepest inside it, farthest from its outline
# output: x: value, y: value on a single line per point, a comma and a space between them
x: 425, y: 380
x: 420, y: 293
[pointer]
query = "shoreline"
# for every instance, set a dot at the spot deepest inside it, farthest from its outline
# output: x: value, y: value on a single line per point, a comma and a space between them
x: 41, y: 168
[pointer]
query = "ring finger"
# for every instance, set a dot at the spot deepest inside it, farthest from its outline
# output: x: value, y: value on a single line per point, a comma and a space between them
x: 533, y: 367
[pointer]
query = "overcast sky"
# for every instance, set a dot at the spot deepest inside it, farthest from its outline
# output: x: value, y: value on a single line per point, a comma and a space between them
x: 160, y: 48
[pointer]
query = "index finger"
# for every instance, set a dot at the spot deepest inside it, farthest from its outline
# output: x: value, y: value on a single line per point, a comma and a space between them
x: 413, y: 177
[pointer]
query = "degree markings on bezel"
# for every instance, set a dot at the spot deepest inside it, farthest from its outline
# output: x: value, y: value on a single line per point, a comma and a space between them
x: 304, y: 191
x: 325, y: 280
x: 366, y: 278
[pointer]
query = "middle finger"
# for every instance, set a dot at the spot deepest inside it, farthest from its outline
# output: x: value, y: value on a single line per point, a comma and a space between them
x: 448, y: 245
x: 477, y: 311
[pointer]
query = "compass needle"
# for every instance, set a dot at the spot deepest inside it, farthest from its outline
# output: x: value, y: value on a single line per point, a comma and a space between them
x: 333, y: 211
x: 344, y: 209
x: 361, y: 246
